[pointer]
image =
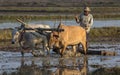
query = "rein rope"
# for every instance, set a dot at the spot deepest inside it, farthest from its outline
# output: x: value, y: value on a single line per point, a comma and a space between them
x: 21, y: 35
x: 21, y: 38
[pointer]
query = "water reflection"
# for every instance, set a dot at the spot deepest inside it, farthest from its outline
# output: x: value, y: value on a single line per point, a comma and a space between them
x: 71, y: 66
x: 11, y: 63
x: 15, y: 65
x: 77, y: 68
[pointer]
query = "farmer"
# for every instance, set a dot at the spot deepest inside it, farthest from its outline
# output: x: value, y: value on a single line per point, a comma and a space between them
x: 85, y: 19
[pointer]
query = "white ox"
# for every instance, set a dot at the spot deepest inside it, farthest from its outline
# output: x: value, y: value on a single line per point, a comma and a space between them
x: 71, y: 36
x: 30, y: 38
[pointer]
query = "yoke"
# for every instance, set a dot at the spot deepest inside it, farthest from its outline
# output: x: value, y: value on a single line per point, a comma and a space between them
x: 39, y: 30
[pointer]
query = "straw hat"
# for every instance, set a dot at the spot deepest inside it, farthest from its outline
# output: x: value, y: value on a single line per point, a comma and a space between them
x: 87, y: 9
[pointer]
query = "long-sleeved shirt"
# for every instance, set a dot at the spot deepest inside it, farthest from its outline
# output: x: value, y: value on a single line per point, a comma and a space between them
x: 85, y: 21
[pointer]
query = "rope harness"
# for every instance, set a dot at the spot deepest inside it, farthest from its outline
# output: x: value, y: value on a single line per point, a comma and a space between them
x: 22, y: 36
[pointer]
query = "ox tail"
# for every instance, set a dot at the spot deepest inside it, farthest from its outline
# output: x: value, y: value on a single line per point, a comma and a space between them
x: 84, y: 46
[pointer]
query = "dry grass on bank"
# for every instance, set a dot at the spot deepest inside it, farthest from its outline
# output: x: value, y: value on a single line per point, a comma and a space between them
x: 103, y: 33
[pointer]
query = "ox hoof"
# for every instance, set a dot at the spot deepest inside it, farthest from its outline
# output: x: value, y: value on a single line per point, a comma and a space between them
x: 38, y: 53
x: 22, y: 53
x: 61, y: 55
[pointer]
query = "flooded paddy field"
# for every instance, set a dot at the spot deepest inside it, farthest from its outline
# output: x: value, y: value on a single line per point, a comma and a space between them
x: 12, y: 63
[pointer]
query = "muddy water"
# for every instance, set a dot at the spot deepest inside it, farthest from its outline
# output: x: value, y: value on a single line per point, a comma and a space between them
x: 11, y: 63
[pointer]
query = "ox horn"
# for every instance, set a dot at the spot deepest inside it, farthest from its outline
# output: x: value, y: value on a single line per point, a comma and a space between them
x: 58, y: 28
x: 21, y: 22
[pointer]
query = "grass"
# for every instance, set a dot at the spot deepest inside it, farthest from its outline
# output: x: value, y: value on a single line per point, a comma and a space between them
x: 5, y: 34
x: 60, y: 3
x: 111, y: 34
x: 28, y: 17
x: 60, y: 9
x: 56, y: 12
x: 55, y: 17
x: 105, y: 32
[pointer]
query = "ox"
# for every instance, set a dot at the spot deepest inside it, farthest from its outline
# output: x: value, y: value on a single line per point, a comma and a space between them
x: 30, y: 38
x: 71, y: 36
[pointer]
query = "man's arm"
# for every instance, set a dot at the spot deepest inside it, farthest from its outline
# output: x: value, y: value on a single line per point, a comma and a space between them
x: 77, y: 19
x: 89, y: 24
x: 91, y: 21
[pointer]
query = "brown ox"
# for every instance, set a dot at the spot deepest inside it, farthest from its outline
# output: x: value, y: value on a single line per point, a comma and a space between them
x: 71, y: 36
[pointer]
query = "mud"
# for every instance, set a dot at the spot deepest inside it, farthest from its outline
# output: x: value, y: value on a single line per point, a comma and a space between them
x: 12, y: 63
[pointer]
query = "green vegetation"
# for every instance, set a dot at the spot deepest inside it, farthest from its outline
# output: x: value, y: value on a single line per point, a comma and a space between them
x: 5, y: 35
x: 59, y: 9
x: 105, y: 34
x: 60, y: 3
x: 32, y: 17
x: 56, y: 12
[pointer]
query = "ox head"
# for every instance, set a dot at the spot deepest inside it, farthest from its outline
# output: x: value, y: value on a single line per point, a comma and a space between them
x: 15, y: 35
x: 54, y: 40
x: 16, y: 32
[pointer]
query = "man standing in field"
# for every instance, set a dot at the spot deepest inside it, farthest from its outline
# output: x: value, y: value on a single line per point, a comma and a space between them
x: 85, y: 19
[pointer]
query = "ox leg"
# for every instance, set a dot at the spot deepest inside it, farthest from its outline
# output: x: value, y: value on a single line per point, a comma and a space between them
x: 32, y: 47
x: 77, y: 47
x: 74, y: 50
x: 32, y: 51
x: 22, y: 51
x: 43, y: 44
x: 84, y: 47
x: 46, y: 48
x: 62, y: 51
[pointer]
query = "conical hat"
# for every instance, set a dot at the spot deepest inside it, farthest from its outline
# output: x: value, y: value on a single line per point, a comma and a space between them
x: 87, y: 9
